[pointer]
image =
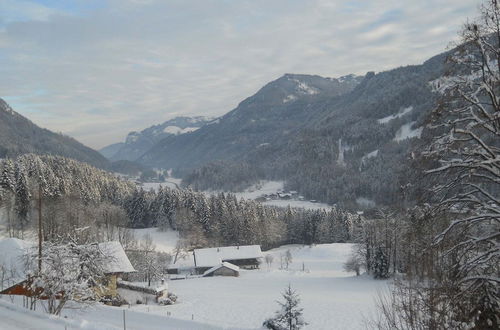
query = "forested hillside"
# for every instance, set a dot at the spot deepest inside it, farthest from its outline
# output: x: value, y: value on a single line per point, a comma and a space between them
x: 85, y: 203
x: 18, y: 136
x: 274, y: 113
x: 353, y: 150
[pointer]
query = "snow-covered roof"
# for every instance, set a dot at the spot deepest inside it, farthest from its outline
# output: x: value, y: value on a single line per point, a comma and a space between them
x: 183, y: 262
x: 223, y: 264
x: 12, y: 252
x: 119, y: 262
x: 213, y: 256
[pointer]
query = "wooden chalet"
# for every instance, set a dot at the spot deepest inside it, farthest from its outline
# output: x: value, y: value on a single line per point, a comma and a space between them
x: 15, y: 275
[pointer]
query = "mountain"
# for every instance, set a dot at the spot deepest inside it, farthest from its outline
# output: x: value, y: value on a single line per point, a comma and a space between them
x: 343, y: 141
x: 18, y: 135
x: 275, y: 113
x: 138, y: 143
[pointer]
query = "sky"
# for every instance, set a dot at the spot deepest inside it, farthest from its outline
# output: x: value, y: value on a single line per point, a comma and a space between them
x: 98, y: 69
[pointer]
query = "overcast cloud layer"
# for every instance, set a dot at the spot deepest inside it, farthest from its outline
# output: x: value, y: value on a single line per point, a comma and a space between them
x: 96, y: 69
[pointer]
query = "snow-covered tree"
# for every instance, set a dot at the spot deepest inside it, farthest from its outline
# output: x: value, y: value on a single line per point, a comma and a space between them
x: 467, y: 149
x: 289, y: 317
x: 355, y: 261
x: 69, y: 272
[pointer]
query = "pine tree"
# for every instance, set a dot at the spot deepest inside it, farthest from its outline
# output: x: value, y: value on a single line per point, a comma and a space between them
x: 381, y: 265
x: 289, y: 317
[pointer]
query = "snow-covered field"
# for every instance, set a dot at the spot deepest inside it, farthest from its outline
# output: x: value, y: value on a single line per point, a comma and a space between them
x: 331, y: 298
x: 164, y: 241
x: 172, y: 183
x: 271, y: 187
x: 255, y: 191
x: 298, y: 204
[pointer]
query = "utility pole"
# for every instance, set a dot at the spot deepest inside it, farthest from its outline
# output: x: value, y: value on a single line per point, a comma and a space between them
x: 40, y: 228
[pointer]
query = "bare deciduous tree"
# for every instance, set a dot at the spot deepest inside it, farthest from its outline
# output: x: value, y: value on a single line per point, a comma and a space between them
x: 467, y: 148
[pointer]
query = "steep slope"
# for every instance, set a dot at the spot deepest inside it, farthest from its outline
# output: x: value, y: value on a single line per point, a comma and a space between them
x: 18, y: 135
x: 138, y: 143
x: 350, y: 149
x: 276, y: 112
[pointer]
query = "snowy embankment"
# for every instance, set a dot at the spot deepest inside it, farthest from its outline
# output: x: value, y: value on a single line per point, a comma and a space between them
x: 98, y: 317
x: 331, y: 298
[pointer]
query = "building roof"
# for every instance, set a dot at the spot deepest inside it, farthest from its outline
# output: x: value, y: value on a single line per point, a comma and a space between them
x: 12, y: 252
x: 214, y: 256
x: 119, y: 262
x: 183, y: 262
x: 13, y: 259
x: 222, y: 265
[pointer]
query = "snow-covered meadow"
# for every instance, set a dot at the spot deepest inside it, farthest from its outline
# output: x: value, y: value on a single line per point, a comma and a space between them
x: 331, y: 298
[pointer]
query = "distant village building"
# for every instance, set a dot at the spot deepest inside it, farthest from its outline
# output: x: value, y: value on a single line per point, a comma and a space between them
x: 201, y: 260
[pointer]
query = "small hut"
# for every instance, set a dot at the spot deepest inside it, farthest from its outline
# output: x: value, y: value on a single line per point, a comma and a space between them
x: 224, y: 269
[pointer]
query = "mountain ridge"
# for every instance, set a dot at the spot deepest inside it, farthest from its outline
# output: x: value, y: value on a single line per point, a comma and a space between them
x: 19, y: 135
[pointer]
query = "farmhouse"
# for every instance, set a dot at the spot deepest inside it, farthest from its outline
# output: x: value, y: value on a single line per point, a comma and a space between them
x: 246, y: 257
x: 15, y: 273
x: 201, y: 260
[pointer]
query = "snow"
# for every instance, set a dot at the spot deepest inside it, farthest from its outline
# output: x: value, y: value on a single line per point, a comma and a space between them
x: 13, y: 252
x: 119, y: 262
x: 170, y: 182
x: 177, y: 130
x: 216, y: 121
x: 297, y: 204
x: 289, y: 98
x: 365, y: 202
x: 213, y: 256
x: 305, y: 88
x: 97, y: 317
x: 184, y: 263
x: 400, y: 114
x: 12, y: 260
x: 272, y: 187
x: 371, y: 154
x: 331, y: 298
x: 223, y: 264
x: 165, y: 241
x: 342, y: 150
x: 407, y: 132
x: 262, y: 188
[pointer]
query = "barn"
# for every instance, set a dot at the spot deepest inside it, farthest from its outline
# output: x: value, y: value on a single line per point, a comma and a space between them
x: 245, y: 256
x: 200, y: 260
x: 224, y: 269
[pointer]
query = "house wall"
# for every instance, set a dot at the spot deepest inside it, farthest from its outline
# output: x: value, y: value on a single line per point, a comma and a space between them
x: 223, y: 271
x: 109, y: 288
x: 245, y: 263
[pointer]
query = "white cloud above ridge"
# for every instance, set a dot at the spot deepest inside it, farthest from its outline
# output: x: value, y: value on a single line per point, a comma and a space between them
x: 131, y: 64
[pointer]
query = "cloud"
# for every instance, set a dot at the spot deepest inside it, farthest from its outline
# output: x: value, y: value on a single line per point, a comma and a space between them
x: 106, y: 68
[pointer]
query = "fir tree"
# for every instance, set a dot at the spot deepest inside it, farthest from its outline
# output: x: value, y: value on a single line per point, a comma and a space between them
x: 381, y: 265
x: 289, y: 317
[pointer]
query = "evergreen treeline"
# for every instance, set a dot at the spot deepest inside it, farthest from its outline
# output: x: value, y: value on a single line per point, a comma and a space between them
x: 79, y: 197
